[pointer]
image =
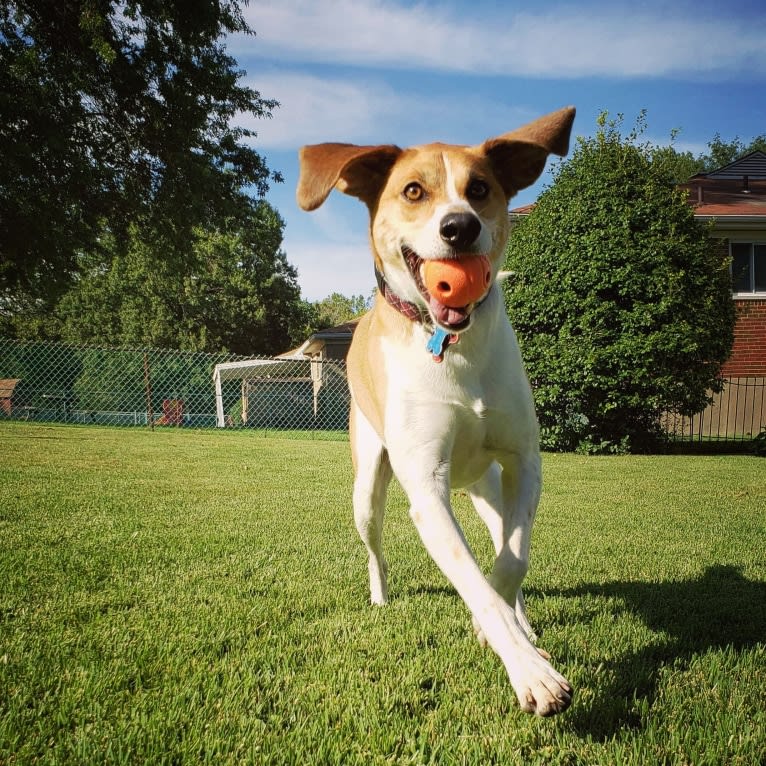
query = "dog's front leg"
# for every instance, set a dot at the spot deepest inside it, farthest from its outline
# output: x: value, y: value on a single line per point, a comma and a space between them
x: 540, y: 688
x: 506, y: 500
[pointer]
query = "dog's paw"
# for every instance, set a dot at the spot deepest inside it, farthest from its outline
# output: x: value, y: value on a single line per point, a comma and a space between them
x: 541, y: 689
x: 378, y: 593
x: 378, y: 570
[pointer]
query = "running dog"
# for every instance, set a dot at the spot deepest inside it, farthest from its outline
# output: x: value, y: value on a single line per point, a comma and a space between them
x: 440, y: 397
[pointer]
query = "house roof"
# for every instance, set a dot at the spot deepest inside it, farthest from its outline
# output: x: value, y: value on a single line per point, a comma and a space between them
x: 729, y: 197
x: 316, y: 341
x: 735, y: 190
x: 345, y: 330
x: 752, y: 165
x: 523, y: 209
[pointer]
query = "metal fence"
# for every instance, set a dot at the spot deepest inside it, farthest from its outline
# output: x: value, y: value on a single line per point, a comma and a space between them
x: 57, y: 382
x: 736, y: 414
x: 149, y: 387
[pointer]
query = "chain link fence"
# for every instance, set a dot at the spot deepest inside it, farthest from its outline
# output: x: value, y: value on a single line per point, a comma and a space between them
x: 57, y: 382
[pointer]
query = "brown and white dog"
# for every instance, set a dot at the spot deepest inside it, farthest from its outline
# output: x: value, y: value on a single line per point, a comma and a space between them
x: 439, y: 413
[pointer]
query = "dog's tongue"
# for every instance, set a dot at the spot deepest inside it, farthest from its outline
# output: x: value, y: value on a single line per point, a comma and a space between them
x: 447, y: 315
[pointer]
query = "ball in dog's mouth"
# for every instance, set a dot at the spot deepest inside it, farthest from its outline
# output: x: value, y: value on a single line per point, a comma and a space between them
x: 457, y: 282
x: 450, y: 286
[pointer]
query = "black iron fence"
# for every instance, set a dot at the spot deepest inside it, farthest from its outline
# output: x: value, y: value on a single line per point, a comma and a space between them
x: 736, y: 414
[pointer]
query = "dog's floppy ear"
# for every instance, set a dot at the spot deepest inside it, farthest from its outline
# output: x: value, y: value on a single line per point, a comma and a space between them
x: 359, y: 171
x: 519, y: 157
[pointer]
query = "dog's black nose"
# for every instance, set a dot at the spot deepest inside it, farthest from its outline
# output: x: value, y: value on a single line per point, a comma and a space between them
x: 459, y: 229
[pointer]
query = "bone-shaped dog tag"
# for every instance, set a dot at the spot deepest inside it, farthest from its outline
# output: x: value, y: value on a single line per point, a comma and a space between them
x: 438, y: 342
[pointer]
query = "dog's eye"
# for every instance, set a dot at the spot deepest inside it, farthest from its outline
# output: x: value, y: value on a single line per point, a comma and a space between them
x: 414, y: 192
x: 478, y: 189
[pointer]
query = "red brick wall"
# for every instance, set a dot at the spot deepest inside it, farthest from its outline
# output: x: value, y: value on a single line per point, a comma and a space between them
x: 748, y: 357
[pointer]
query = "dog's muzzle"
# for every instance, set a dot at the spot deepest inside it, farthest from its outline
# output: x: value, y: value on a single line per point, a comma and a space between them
x: 451, y: 288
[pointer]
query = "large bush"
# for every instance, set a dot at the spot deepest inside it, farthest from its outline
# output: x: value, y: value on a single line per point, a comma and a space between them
x: 621, y: 301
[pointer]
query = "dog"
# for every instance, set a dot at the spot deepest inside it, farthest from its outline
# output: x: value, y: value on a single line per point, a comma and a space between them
x: 439, y: 395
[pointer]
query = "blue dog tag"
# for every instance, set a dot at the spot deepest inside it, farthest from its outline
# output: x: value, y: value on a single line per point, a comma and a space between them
x: 438, y: 342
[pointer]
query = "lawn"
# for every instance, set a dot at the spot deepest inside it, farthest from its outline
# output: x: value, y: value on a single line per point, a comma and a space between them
x: 184, y: 597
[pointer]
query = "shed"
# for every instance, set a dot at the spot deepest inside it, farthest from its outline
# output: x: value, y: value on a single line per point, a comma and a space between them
x: 7, y: 389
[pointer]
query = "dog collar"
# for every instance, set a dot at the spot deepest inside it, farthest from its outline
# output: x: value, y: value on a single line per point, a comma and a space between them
x: 412, y: 311
x: 440, y: 339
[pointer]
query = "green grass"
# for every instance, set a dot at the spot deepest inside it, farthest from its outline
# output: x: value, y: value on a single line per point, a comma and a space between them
x: 184, y: 597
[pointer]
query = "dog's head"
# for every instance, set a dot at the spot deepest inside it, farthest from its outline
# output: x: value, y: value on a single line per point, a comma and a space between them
x: 435, y: 202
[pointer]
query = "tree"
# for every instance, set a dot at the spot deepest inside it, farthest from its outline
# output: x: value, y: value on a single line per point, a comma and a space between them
x: 116, y: 115
x: 679, y: 166
x: 621, y: 301
x: 235, y: 292
x: 336, y: 309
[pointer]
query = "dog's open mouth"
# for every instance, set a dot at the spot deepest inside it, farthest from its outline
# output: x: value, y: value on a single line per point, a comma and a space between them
x: 451, y: 317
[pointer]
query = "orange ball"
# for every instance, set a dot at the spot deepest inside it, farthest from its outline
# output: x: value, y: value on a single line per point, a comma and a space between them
x: 456, y: 282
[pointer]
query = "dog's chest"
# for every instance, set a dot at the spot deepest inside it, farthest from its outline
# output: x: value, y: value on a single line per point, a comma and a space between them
x: 466, y: 405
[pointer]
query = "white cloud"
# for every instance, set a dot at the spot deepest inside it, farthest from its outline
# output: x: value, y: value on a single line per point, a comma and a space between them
x: 313, y: 109
x: 325, y: 268
x: 570, y: 41
x: 356, y: 110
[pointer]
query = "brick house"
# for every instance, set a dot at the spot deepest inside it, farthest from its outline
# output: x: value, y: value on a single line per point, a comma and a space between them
x: 733, y: 198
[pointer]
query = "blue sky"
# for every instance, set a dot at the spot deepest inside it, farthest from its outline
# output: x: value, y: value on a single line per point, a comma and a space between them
x: 390, y: 71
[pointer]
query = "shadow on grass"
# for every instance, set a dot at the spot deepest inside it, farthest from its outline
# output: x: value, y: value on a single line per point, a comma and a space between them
x: 431, y: 590
x: 718, y: 610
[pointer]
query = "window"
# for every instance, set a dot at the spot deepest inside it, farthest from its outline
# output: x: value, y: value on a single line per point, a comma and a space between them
x: 748, y: 267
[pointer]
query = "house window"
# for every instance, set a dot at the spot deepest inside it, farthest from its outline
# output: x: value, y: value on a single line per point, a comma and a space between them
x: 748, y: 267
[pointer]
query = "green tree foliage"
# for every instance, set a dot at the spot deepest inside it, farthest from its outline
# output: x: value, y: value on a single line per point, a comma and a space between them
x: 679, y: 166
x: 116, y: 115
x: 235, y: 292
x: 336, y: 309
x: 621, y: 301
